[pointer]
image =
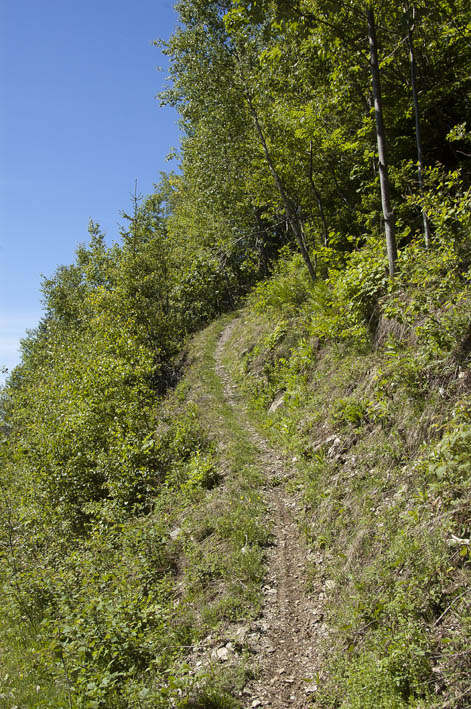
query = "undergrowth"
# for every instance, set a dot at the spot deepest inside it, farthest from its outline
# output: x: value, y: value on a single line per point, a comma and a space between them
x: 132, y: 527
x: 110, y: 617
x: 372, y: 387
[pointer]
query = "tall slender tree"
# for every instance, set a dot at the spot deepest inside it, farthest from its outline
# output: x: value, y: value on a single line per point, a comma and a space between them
x: 388, y: 214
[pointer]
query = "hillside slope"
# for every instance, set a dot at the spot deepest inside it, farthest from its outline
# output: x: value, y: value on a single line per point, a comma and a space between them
x: 377, y: 424
x: 273, y: 506
x: 304, y: 535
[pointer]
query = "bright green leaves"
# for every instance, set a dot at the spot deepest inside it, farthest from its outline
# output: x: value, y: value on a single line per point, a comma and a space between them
x: 235, y: 20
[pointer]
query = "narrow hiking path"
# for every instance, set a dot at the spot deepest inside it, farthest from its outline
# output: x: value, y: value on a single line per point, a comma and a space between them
x: 290, y: 625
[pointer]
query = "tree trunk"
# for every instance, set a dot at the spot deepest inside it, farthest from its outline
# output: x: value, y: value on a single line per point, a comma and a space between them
x: 381, y: 141
x: 418, y: 136
x: 293, y: 219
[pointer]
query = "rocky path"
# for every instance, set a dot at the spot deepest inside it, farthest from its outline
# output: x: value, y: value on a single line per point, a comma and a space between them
x: 291, y: 622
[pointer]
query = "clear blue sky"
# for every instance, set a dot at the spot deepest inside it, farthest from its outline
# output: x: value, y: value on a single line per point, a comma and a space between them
x: 79, y: 123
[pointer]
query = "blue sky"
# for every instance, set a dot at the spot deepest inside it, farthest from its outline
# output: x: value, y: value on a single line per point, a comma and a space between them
x: 79, y: 123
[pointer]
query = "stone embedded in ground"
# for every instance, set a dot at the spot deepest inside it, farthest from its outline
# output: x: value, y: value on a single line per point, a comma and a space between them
x: 311, y: 689
x: 276, y: 403
x: 223, y: 654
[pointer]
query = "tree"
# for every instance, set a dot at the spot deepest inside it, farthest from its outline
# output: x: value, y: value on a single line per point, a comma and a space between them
x: 229, y: 59
x: 381, y: 141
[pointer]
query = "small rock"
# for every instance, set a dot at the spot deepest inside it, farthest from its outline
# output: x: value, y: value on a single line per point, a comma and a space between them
x: 276, y: 403
x: 311, y: 689
x: 223, y: 654
x: 269, y: 591
x: 256, y: 703
x: 175, y: 533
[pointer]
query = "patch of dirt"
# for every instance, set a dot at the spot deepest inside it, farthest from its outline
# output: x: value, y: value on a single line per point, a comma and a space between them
x: 284, y: 638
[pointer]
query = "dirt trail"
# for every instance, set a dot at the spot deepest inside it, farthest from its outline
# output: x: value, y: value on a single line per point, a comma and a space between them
x: 291, y: 622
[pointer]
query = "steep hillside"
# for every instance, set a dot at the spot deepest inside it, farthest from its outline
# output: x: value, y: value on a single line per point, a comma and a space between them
x: 235, y: 454
x: 306, y: 542
x: 376, y: 421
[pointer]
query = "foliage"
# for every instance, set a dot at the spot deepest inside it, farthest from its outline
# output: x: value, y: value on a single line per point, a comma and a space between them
x: 126, y: 533
x: 381, y: 436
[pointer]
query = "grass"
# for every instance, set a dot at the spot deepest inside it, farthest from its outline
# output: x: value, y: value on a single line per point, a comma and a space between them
x: 367, y: 430
x: 227, y: 528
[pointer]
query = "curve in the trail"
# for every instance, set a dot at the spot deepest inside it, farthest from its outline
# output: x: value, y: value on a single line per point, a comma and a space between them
x: 290, y: 625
